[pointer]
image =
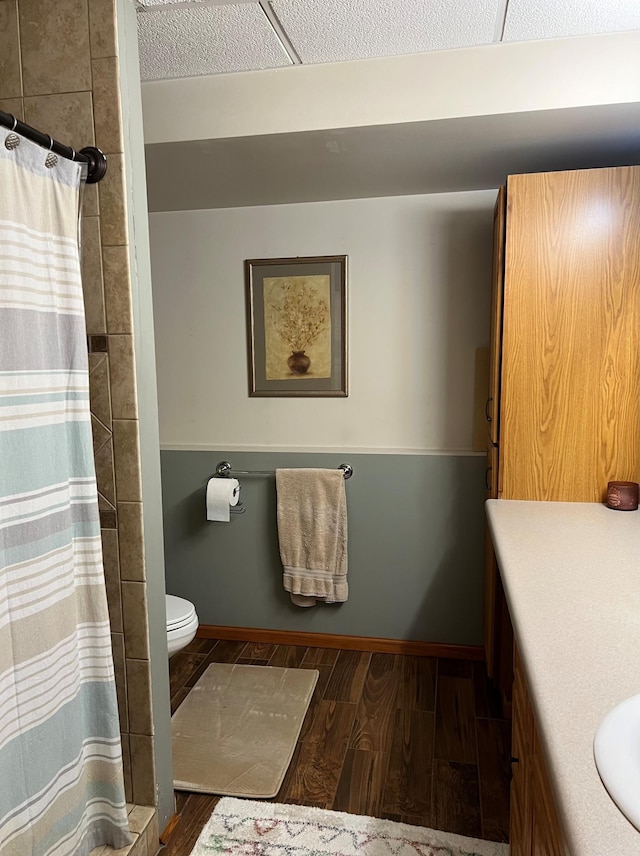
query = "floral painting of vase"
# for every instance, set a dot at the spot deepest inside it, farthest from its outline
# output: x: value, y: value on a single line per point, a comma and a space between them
x: 297, y: 325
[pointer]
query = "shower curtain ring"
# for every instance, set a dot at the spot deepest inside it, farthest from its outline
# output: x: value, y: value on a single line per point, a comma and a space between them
x: 15, y: 122
x: 51, y: 159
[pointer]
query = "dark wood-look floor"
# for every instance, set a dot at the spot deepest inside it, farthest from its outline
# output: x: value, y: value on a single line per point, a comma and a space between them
x: 412, y: 739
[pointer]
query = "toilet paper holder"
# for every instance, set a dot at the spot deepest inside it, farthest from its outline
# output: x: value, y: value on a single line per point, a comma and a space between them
x: 240, y: 507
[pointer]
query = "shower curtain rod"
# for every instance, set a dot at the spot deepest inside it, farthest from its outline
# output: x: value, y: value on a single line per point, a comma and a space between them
x: 93, y: 157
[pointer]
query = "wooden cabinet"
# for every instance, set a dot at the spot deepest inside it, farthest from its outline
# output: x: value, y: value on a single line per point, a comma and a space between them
x: 534, y: 826
x: 521, y: 750
x: 564, y: 407
x: 570, y: 361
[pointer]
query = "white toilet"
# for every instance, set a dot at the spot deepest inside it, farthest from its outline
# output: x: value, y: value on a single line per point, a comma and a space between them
x: 182, y: 623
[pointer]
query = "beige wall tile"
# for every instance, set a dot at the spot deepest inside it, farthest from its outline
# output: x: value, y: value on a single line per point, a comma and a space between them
x: 95, y: 360
x: 67, y: 117
x: 102, y: 28
x: 15, y: 106
x: 140, y: 817
x: 10, y: 76
x: 142, y: 769
x: 134, y: 617
x: 106, y: 104
x: 139, y: 697
x: 126, y: 767
x: 99, y: 390
x: 138, y: 848
x: 127, y: 460
x: 110, y: 560
x: 105, y: 473
x: 103, y: 505
x: 117, y: 646
x: 117, y: 289
x: 90, y: 206
x: 153, y: 836
x: 100, y: 433
x: 54, y: 38
x: 111, y: 193
x: 131, y: 541
x: 123, y: 377
x: 92, y: 283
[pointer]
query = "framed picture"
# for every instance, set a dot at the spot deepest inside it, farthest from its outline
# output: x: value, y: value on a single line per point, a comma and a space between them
x: 297, y: 326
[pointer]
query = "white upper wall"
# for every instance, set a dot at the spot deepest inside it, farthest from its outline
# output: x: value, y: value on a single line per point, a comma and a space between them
x: 419, y: 285
x: 480, y: 81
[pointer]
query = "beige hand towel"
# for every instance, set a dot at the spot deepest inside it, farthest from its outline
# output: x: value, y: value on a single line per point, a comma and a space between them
x: 312, y: 531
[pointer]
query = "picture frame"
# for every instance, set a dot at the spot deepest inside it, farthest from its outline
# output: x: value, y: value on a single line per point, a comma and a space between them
x: 297, y: 326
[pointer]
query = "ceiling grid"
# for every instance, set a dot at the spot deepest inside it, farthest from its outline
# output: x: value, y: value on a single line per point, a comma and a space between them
x: 186, y: 38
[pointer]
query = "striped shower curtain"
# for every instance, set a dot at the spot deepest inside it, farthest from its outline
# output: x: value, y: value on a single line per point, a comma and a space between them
x: 61, y: 786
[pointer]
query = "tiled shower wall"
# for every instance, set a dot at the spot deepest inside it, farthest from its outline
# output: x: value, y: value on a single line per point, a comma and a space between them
x: 59, y: 73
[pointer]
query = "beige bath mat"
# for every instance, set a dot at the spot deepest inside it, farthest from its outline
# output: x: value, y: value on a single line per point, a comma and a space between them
x: 235, y: 732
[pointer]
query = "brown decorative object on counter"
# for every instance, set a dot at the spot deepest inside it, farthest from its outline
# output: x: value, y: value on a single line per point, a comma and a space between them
x: 622, y: 495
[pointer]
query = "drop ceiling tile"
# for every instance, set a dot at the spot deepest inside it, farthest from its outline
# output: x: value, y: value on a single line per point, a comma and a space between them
x: 548, y: 19
x: 336, y: 30
x: 186, y: 41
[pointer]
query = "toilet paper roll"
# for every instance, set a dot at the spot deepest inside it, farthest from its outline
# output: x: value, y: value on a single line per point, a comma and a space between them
x: 222, y: 494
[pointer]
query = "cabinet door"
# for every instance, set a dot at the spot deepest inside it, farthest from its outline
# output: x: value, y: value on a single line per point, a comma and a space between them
x: 569, y: 403
x: 521, y: 746
x: 546, y: 834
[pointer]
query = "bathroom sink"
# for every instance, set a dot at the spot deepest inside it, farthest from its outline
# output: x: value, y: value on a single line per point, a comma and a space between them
x: 617, y: 752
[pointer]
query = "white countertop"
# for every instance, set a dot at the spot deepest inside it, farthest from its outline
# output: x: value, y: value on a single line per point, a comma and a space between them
x: 571, y: 575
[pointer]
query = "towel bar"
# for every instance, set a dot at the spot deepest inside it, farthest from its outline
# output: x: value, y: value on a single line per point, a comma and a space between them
x: 225, y: 470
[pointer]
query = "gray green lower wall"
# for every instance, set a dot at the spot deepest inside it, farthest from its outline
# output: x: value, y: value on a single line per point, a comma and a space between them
x: 416, y: 534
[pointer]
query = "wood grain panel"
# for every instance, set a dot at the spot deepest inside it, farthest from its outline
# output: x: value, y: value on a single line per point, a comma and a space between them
x: 546, y: 834
x: 376, y: 711
x: 456, y: 803
x: 455, y: 668
x: 258, y: 651
x: 195, y: 812
x: 522, y: 747
x: 178, y: 697
x: 362, y: 782
x: 417, y: 689
x: 455, y: 736
x: 320, y: 657
x: 288, y: 656
x: 316, y: 698
x: 485, y: 696
x: 494, y: 770
x: 314, y: 782
x: 181, y: 667
x: 224, y: 652
x: 408, y: 786
x: 348, y: 676
x: 570, y: 409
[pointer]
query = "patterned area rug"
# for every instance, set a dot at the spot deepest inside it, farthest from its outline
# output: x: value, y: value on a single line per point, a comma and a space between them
x: 250, y: 828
